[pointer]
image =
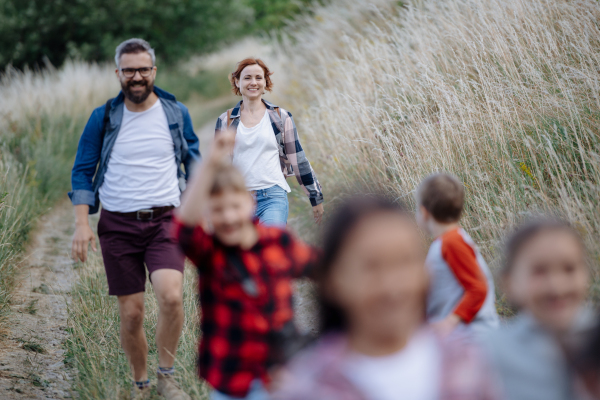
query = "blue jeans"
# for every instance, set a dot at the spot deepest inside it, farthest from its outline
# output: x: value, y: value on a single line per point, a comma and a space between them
x: 272, y: 206
x: 257, y: 392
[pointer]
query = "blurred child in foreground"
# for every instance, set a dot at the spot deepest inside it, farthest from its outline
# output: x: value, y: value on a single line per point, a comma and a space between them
x: 546, y: 276
x: 462, y: 288
x: 375, y: 343
x: 245, y: 272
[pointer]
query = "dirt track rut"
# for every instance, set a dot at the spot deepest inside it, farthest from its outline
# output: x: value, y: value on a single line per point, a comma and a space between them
x: 32, y: 355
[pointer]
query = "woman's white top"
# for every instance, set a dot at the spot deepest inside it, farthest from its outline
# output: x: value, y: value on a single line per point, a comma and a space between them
x: 256, y: 155
x: 412, y: 373
x: 142, y: 171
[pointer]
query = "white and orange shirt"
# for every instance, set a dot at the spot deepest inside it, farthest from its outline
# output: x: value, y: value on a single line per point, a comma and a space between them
x: 461, y: 282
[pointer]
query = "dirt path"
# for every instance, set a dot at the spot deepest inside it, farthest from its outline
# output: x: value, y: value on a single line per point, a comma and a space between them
x: 31, y: 352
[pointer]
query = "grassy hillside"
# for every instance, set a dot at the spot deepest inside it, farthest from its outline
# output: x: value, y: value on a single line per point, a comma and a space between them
x: 503, y: 93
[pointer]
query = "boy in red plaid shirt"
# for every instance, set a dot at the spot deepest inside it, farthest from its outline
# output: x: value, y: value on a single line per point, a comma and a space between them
x: 245, y: 277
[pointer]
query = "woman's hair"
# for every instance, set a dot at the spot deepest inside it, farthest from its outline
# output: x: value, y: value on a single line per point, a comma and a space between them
x: 240, y: 67
x: 337, y: 231
x: 530, y: 230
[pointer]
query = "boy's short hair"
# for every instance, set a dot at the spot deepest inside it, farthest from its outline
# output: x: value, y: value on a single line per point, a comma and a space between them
x: 227, y: 177
x: 443, y: 195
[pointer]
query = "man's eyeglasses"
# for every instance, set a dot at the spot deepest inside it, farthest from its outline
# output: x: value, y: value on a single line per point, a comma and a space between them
x: 130, y: 72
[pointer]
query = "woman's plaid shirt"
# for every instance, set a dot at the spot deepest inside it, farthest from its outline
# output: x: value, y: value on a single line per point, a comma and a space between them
x: 291, y: 155
x: 237, y: 329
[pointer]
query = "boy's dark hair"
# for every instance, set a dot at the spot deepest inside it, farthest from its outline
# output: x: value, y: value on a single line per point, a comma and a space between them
x: 337, y: 231
x: 528, y: 231
x: 227, y: 177
x: 443, y: 195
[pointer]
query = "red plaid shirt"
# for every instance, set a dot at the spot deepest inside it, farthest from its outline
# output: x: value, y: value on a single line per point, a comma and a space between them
x: 235, y: 347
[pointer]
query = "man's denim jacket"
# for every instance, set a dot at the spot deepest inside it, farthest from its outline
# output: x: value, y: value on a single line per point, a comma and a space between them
x: 93, y: 153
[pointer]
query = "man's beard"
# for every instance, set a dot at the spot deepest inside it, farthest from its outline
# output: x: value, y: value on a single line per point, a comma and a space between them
x: 137, y: 98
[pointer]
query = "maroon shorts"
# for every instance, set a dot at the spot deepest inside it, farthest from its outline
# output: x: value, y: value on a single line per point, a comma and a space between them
x: 127, y: 244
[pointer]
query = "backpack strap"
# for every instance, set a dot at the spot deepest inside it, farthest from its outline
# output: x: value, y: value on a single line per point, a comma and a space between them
x: 229, y: 121
x: 106, y: 117
x: 248, y: 284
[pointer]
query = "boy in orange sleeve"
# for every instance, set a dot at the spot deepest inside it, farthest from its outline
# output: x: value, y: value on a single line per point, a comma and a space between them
x: 462, y: 287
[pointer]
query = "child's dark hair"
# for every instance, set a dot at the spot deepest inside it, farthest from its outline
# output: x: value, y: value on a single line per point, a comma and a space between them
x: 338, y: 229
x: 528, y: 231
x: 443, y: 195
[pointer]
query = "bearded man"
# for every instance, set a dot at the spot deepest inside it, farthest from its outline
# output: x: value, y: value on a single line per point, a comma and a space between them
x: 129, y: 159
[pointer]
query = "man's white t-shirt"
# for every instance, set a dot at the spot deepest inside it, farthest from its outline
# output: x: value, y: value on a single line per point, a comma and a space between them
x: 412, y: 373
x: 256, y: 155
x: 141, y: 171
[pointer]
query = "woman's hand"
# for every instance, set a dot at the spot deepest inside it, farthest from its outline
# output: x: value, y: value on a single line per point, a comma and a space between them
x: 318, y: 212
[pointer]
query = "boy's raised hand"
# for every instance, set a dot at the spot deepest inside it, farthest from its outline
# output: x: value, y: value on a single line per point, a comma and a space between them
x: 197, y: 192
x: 222, y: 149
x: 446, y: 325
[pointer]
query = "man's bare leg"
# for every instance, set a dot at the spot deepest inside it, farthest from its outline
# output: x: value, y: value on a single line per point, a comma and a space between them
x: 168, y: 286
x: 133, y: 339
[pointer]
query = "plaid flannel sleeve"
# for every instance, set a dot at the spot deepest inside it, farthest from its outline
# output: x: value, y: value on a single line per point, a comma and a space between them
x: 194, y: 242
x: 304, y: 257
x: 302, y: 169
x: 221, y: 124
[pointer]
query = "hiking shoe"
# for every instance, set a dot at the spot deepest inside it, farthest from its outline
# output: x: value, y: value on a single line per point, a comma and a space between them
x: 169, y: 388
x: 140, y: 394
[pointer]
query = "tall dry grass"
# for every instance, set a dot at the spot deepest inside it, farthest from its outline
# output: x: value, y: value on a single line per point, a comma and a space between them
x: 42, y: 114
x: 502, y: 93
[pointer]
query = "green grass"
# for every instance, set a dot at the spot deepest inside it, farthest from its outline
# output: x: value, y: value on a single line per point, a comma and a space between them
x: 32, y: 307
x: 35, y: 164
x: 42, y: 115
x: 32, y: 345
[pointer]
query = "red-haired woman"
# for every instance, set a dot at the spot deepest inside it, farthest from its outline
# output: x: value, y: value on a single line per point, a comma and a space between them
x: 267, y: 148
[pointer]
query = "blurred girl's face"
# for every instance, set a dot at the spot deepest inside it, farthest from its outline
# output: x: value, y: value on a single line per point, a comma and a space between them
x: 549, y: 278
x: 378, y: 278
